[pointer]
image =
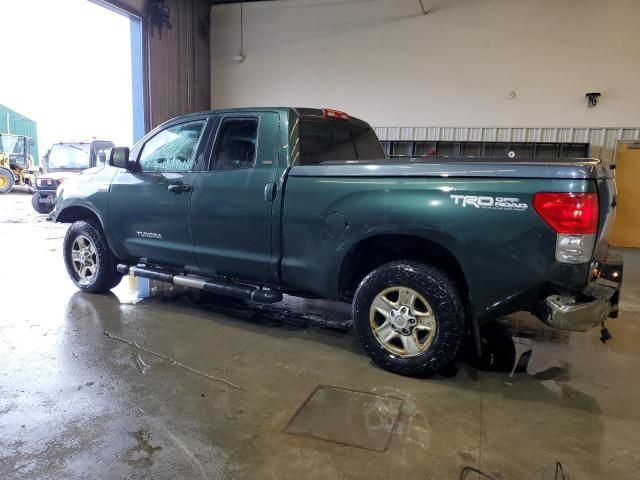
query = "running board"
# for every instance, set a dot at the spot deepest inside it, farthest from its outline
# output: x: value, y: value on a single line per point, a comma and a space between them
x: 235, y: 290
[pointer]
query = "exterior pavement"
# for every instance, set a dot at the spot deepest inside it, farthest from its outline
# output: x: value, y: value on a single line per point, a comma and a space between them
x: 178, y: 385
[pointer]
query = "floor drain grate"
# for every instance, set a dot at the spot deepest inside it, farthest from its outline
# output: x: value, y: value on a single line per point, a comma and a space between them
x: 348, y: 417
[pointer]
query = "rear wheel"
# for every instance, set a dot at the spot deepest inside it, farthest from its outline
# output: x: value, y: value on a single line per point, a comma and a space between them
x: 6, y: 180
x: 39, y: 206
x: 88, y: 259
x: 409, y: 318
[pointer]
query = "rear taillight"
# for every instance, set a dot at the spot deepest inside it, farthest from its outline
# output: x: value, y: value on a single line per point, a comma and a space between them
x: 568, y: 212
x: 574, y: 217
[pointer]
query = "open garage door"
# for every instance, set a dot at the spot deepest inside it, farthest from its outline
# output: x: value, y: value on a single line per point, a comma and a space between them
x: 68, y: 80
x: 130, y: 10
x: 175, y: 63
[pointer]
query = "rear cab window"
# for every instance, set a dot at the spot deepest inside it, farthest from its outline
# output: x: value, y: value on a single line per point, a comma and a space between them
x: 329, y: 140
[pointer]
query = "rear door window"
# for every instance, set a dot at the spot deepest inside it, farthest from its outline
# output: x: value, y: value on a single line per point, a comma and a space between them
x: 236, y: 144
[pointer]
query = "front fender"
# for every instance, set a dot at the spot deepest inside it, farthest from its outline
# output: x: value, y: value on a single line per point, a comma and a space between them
x: 85, y: 196
x: 74, y: 209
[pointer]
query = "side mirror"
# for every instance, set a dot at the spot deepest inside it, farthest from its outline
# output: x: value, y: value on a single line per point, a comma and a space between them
x: 119, y: 157
x: 45, y: 162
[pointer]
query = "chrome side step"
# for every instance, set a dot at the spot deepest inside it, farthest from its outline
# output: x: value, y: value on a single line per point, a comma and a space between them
x: 243, y: 292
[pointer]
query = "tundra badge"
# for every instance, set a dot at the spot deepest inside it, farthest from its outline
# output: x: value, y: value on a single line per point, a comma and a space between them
x: 149, y: 235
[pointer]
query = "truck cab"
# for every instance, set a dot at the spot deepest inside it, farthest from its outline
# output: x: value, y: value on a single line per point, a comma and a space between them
x: 63, y: 161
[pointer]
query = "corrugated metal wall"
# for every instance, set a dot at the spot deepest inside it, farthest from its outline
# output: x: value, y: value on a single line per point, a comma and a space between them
x: 17, y: 124
x: 178, y: 62
x: 603, y: 140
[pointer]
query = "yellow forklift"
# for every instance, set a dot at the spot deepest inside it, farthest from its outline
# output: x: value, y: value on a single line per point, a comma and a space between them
x: 16, y: 162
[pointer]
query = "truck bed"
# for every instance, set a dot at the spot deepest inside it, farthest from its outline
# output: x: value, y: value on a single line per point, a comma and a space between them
x: 493, y: 246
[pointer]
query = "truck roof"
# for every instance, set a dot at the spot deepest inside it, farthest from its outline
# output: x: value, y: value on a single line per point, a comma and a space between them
x: 303, y: 112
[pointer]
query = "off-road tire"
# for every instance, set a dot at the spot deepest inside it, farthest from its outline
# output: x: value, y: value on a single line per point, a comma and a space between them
x: 444, y: 298
x: 115, y: 281
x: 8, y: 180
x: 106, y: 276
x: 39, y: 207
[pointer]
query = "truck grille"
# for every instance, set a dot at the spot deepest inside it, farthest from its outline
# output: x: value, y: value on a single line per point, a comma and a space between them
x: 47, y: 184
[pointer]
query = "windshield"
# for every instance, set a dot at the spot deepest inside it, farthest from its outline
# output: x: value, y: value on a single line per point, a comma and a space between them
x: 11, y: 145
x: 69, y: 155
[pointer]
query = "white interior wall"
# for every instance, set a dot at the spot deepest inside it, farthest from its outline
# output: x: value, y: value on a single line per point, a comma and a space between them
x: 383, y: 61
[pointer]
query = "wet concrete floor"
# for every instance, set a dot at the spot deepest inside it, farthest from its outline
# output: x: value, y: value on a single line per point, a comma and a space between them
x: 181, y: 386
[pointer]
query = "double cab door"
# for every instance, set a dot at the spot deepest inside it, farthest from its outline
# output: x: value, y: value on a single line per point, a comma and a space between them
x: 201, y: 196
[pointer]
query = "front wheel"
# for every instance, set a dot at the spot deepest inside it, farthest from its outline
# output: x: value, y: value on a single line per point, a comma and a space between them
x: 6, y: 180
x: 39, y: 206
x: 88, y: 259
x: 409, y: 317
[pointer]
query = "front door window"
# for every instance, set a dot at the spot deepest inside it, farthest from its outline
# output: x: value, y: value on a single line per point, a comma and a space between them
x: 172, y: 149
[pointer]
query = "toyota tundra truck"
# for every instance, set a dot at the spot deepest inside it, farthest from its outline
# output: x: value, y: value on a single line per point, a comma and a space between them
x: 258, y: 203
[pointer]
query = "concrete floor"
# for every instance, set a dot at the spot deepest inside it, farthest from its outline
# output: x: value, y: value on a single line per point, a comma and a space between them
x: 170, y: 386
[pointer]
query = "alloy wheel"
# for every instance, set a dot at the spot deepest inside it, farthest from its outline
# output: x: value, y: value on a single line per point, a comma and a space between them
x: 402, y: 321
x: 84, y: 259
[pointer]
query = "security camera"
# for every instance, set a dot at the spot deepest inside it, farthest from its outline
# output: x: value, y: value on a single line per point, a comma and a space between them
x: 592, y: 98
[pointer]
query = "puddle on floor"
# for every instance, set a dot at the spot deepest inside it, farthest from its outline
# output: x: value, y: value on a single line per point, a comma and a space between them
x: 347, y: 417
x: 142, y: 454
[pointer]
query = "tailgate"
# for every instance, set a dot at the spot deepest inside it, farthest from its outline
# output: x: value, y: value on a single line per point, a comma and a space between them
x: 607, y: 206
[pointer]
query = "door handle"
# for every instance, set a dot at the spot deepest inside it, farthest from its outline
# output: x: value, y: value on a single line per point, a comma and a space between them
x: 179, y: 188
x: 270, y: 191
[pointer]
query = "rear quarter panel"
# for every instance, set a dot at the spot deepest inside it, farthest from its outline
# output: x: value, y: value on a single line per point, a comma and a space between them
x: 505, y: 254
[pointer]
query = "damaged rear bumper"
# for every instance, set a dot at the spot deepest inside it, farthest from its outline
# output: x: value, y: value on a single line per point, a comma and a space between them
x: 597, y: 302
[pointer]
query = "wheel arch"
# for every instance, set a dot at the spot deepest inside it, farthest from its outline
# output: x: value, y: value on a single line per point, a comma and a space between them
x: 374, y: 251
x: 371, y: 252
x: 76, y: 213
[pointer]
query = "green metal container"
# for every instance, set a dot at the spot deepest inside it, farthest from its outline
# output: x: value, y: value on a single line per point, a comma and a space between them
x: 17, y: 124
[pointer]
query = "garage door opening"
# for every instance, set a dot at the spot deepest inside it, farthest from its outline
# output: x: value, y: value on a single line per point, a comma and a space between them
x: 76, y: 71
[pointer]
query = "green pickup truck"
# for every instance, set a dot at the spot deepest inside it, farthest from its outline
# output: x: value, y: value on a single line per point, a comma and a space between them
x: 257, y: 203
